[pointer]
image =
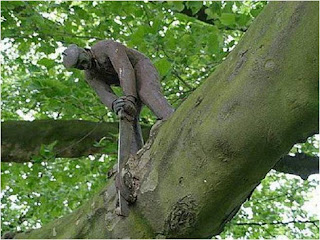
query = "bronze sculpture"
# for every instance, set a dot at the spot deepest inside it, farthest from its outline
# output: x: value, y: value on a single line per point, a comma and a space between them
x: 111, y: 63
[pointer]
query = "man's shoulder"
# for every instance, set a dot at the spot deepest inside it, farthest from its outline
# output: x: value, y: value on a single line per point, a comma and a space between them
x: 106, y: 44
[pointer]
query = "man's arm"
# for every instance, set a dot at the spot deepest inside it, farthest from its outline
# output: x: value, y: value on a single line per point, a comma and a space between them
x: 104, y: 91
x: 122, y: 65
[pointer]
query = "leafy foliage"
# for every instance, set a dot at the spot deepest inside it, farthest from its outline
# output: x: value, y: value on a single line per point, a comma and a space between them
x: 185, y: 41
x: 35, y: 33
x: 36, y: 193
x: 278, y: 207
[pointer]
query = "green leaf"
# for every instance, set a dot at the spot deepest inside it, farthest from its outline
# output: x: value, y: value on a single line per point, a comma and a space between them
x: 228, y: 6
x: 211, y: 14
x: 4, y: 180
x: 23, y: 47
x: 213, y: 43
x: 255, y: 12
x: 216, y: 7
x: 163, y: 66
x: 195, y: 6
x: 227, y: 19
x: 177, y: 5
x: 243, y: 20
x: 48, y: 63
x: 138, y: 36
x: 42, y: 150
x: 46, y: 48
x: 51, y: 145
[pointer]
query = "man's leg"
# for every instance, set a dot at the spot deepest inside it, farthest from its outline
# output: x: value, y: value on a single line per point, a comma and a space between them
x: 149, y: 90
x: 137, y: 139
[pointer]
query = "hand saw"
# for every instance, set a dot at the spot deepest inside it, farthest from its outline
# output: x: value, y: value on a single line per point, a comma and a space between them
x: 124, y: 146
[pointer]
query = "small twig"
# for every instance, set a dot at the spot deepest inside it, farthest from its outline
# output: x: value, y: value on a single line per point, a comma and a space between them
x: 176, y: 73
x: 147, y: 14
x: 182, y: 80
x: 80, y: 140
x: 279, y: 196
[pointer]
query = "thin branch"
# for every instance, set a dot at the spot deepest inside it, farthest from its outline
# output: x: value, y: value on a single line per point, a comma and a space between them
x: 276, y: 223
x: 203, y: 17
x: 147, y: 14
x: 182, y: 80
x: 44, y: 35
x: 175, y: 72
x: 99, y: 118
x: 268, y: 199
x: 79, y: 140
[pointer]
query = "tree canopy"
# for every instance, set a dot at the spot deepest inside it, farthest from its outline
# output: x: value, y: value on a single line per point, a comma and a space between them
x: 185, y: 40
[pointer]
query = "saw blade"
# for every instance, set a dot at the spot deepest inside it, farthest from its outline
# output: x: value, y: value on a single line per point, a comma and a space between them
x: 124, y: 146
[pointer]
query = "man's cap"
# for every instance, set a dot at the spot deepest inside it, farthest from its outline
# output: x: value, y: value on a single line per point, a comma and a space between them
x: 71, y: 56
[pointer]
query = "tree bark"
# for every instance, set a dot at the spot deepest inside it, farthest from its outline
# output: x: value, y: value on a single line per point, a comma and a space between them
x: 21, y: 140
x: 217, y: 147
x: 300, y: 164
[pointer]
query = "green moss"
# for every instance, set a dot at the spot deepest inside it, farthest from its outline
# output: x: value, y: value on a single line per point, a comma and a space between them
x: 140, y: 225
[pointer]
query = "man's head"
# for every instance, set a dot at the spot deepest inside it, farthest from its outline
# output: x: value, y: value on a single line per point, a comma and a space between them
x: 76, y: 57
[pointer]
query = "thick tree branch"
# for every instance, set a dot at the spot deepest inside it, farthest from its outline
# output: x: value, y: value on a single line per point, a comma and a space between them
x: 22, y: 139
x: 301, y: 164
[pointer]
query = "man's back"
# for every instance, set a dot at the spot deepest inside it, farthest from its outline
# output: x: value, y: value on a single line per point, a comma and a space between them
x: 101, y: 49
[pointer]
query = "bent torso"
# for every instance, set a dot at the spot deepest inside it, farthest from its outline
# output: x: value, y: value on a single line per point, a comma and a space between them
x: 103, y: 69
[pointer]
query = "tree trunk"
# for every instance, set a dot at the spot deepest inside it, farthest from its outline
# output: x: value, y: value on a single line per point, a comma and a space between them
x: 217, y: 147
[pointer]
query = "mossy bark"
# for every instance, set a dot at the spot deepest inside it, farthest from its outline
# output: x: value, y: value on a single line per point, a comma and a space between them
x: 220, y: 143
x: 20, y: 140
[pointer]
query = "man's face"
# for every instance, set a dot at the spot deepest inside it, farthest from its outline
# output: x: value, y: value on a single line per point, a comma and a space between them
x: 75, y: 57
x: 84, y: 60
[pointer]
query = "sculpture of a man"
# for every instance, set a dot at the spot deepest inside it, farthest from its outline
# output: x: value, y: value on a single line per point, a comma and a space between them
x: 111, y: 63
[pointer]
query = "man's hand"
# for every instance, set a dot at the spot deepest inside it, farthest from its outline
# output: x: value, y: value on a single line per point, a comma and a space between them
x: 127, y: 103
